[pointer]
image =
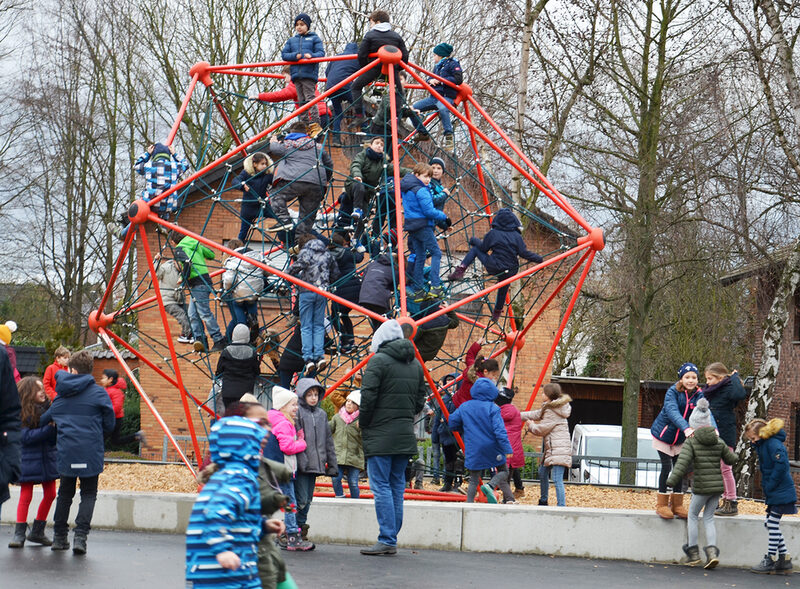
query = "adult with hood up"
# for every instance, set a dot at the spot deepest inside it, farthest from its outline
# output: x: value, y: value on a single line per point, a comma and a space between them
x: 225, y: 523
x: 238, y: 366
x: 9, y: 427
x: 338, y: 71
x: 392, y: 392
x: 319, y: 457
x: 499, y: 252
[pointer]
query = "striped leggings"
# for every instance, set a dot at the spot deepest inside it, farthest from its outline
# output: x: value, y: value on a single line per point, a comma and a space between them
x: 776, y: 543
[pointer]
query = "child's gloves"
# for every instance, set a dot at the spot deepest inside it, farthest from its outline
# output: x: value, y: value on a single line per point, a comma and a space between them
x: 448, y: 223
x: 301, y: 435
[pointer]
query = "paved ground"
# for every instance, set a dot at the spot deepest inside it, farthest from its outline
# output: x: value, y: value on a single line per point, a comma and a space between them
x: 128, y: 560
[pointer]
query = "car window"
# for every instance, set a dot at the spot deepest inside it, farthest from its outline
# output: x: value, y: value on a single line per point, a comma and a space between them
x: 605, y: 447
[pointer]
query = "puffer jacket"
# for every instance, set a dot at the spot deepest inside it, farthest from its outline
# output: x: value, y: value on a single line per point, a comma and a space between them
x: 368, y: 165
x: 315, y: 265
x: 702, y: 453
x: 479, y: 421
x: 393, y: 391
x: 418, y: 203
x: 450, y: 69
x: 284, y: 444
x: 341, y: 69
x: 302, y: 44
x: 243, y: 281
x: 773, y: 460
x: 319, y: 457
x: 378, y: 36
x: 513, y: 422
x: 258, y: 185
x: 504, y: 244
x: 551, y: 425
x: 378, y: 282
x: 39, y: 455
x: 722, y: 399
x: 116, y: 392
x: 227, y: 513
x: 301, y: 159
x: 347, y: 440
x: 238, y: 366
x: 271, y: 567
x: 168, y: 275
x: 673, y: 419
x: 432, y: 334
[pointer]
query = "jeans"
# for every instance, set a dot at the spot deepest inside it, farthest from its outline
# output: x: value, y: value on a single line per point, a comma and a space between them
x: 352, y: 481
x: 387, y: 479
x: 557, y: 471
x: 66, y: 491
x: 337, y: 101
x: 304, y: 491
x: 239, y: 312
x: 420, y: 242
x: 432, y: 103
x: 707, y: 504
x: 312, y: 325
x: 289, y: 516
x: 436, y: 454
x: 200, y: 313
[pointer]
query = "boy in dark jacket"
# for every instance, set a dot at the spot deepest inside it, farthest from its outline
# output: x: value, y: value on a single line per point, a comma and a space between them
x: 338, y: 71
x: 84, y: 415
x: 254, y: 180
x: 306, y: 44
x: 348, y: 286
x: 378, y: 286
x: 504, y: 241
x: 448, y: 68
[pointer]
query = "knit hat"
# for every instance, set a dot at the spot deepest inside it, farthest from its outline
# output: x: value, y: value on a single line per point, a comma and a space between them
x: 687, y: 367
x: 248, y: 398
x: 160, y: 151
x: 443, y: 49
x: 437, y: 160
x: 5, y: 334
x: 701, y: 416
x: 281, y: 397
x: 304, y: 17
x: 355, y: 397
x: 241, y: 334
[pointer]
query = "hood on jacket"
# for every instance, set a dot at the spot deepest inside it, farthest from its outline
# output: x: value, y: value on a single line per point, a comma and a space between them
x: 506, y: 220
x: 69, y: 384
x: 383, y: 27
x: 350, y: 49
x: 303, y: 386
x: 299, y: 141
x: 236, y: 440
x: 706, y: 435
x: 250, y: 168
x: 773, y: 429
x: 484, y: 389
x: 560, y: 406
x: 410, y: 182
x: 121, y: 384
x: 401, y: 350
x: 389, y: 331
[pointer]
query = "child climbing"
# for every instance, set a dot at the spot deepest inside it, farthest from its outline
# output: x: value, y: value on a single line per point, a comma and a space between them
x: 305, y: 44
x: 477, y: 366
x: 346, y: 433
x: 168, y: 274
x: 504, y: 241
x: 254, y: 180
x: 448, y: 68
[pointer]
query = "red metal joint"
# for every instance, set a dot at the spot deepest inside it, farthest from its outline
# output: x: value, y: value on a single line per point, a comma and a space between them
x: 464, y: 92
x: 98, y: 320
x: 138, y: 212
x: 406, y: 320
x: 515, y: 340
x: 200, y: 69
x: 595, y: 237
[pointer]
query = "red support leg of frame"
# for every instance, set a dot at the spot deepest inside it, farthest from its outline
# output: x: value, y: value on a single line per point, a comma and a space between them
x: 478, y: 164
x: 225, y: 117
x: 126, y: 246
x: 178, y: 119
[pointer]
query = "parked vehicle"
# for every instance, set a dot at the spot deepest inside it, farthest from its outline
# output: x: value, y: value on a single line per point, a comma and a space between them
x: 596, y: 452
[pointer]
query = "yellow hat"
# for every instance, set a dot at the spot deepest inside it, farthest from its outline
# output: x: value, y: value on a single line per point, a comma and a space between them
x: 5, y: 334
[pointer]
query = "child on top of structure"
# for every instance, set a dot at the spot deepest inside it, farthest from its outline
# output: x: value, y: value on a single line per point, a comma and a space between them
x: 504, y: 241
x: 168, y: 274
x: 255, y: 180
x: 448, y: 68
x: 305, y: 44
x: 289, y: 92
x: 338, y: 71
x: 381, y: 122
x: 60, y: 362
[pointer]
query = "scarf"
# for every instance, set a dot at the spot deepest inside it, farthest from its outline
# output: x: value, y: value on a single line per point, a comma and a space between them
x: 348, y: 417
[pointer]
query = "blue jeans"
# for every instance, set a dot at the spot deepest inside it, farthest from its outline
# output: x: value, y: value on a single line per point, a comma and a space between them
x: 304, y: 491
x: 387, y: 479
x: 420, y: 242
x: 557, y: 471
x: 431, y: 103
x: 352, y: 481
x: 312, y: 325
x: 289, y: 517
x: 336, y: 102
x: 200, y: 313
x: 239, y: 311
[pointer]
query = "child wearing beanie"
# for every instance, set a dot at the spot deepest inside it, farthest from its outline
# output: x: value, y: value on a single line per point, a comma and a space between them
x: 238, y: 366
x: 702, y: 453
x: 349, y: 450
x: 305, y: 44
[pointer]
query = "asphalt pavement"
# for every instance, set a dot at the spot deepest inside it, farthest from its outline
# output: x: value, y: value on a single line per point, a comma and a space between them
x: 132, y: 560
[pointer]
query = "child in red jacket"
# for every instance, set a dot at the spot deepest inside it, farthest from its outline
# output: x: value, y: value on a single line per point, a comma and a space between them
x: 60, y: 363
x: 115, y: 387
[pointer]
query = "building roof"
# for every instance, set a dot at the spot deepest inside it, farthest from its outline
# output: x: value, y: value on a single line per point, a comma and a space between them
x: 773, y: 260
x: 31, y: 359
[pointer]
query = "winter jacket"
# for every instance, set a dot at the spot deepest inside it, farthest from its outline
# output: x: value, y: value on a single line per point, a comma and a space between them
x: 505, y: 243
x: 438, y: 194
x: 12, y: 358
x: 513, y: 422
x: 342, y: 69
x: 463, y: 393
x: 378, y: 282
x: 348, y: 284
x: 432, y: 334
x: 722, y: 400
x: 226, y: 515
x: 552, y: 426
x: 347, y: 441
x: 315, y: 265
x: 319, y: 457
x: 302, y: 44
x: 378, y: 36
x: 116, y: 392
x: 39, y: 455
x: 289, y: 92
x: 446, y: 437
x: 292, y: 357
x: 285, y: 433
x: 673, y: 419
x: 243, y: 281
x: 392, y: 393
x: 9, y: 427
x: 197, y: 255
x: 49, y: 379
x: 479, y: 421
x: 299, y: 160
x: 238, y: 366
x: 701, y: 453
x: 418, y: 204
x: 773, y: 460
x: 168, y: 275
x: 368, y: 165
x: 258, y: 185
x: 84, y: 415
x: 160, y: 174
x: 450, y: 69
x: 271, y: 567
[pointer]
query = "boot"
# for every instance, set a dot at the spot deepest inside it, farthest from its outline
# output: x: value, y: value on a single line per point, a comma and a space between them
x: 457, y: 274
x: 728, y: 508
x: 18, y: 541
x: 304, y: 531
x: 282, y: 541
x: 418, y: 484
x: 692, y: 557
x: 449, y: 143
x: 765, y: 567
x: 297, y: 544
x: 677, y: 506
x: 60, y: 542
x: 79, y: 543
x: 712, y: 557
x: 784, y: 564
x: 449, y: 468
x: 36, y: 534
x: 662, y: 506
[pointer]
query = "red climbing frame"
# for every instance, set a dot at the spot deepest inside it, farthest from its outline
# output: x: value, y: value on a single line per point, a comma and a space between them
x: 389, y: 59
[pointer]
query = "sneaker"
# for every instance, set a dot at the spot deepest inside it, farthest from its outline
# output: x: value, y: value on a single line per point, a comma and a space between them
x: 322, y: 363
x: 347, y: 348
x: 765, y: 567
x: 310, y: 369
x: 183, y: 339
x: 509, y: 502
x: 281, y: 226
x: 419, y: 296
x: 314, y: 129
x: 219, y: 345
x: 114, y: 229
x: 294, y: 250
x: 436, y: 292
x: 379, y: 549
x: 356, y: 215
x: 449, y: 142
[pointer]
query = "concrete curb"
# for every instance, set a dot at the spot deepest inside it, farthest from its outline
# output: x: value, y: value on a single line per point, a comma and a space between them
x: 593, y: 533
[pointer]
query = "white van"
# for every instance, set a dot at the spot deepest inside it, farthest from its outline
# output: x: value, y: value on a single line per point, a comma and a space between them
x: 605, y: 441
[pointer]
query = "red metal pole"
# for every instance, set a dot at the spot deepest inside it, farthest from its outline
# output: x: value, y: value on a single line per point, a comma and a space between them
x: 398, y: 199
x: 126, y: 246
x: 176, y: 125
x: 478, y: 165
x: 225, y: 117
x: 347, y: 376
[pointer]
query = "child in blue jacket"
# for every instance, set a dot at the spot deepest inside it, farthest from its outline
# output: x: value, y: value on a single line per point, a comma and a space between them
x: 486, y: 442
x: 448, y: 68
x: 306, y: 44
x: 779, y: 493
